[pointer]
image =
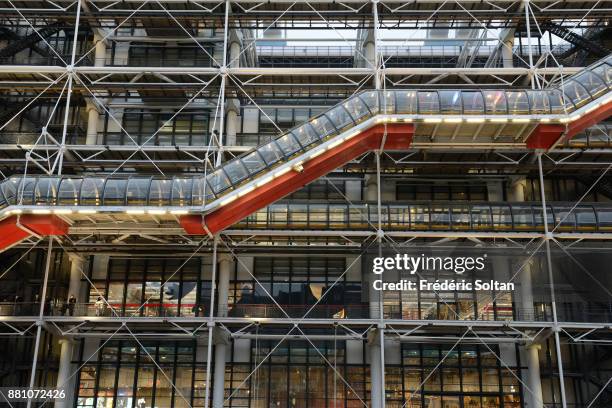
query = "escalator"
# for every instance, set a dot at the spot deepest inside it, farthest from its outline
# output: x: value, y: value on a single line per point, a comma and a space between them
x: 368, y: 121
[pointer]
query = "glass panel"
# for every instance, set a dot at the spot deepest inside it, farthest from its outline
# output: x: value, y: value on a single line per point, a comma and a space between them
x: 557, y: 102
x: 9, y: 189
x: 91, y: 191
x: 419, y: 216
x: 160, y: 192
x: 253, y: 162
x: 270, y: 153
x: 517, y: 102
x: 370, y: 98
x: 502, y: 218
x: 406, y: 102
x: 46, y: 191
x: 114, y: 191
x: 576, y: 93
x: 69, y: 191
x: 593, y: 84
x: 218, y: 181
x: 538, y: 217
x: 340, y: 117
x: 322, y: 126
x: 460, y: 217
x: 604, y: 218
x: 428, y: 102
x: 539, y: 102
x: 357, y: 108
x: 585, y: 217
x: 450, y: 101
x: 605, y: 72
x: 199, y: 188
x: 306, y: 135
x: 389, y: 102
x: 235, y: 171
x: 138, y: 191
x: 564, y: 218
x: 181, y: 191
x: 473, y: 103
x: 25, y: 191
x: 522, y: 217
x: 495, y: 102
x: 440, y: 217
x: 288, y: 144
x: 481, y: 217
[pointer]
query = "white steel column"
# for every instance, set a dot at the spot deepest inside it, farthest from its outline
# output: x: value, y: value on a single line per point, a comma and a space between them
x: 92, y: 112
x: 221, y: 342
x: 66, y: 345
x: 39, y: 322
x: 211, y: 321
x: 233, y: 105
x: 76, y: 267
x: 100, y: 53
x: 551, y: 282
x: 529, y: 49
x: 533, y: 396
x: 506, y: 50
x: 231, y: 125
x: 69, y: 88
x: 93, y: 118
x: 371, y: 188
x: 65, y: 371
x: 219, y: 374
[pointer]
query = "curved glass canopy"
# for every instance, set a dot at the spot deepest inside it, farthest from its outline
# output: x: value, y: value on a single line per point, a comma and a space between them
x: 572, y: 94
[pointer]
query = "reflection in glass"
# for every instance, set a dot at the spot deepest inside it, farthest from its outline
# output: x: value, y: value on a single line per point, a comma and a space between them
x: 495, y: 102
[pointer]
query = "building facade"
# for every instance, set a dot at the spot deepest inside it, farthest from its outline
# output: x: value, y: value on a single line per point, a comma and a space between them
x: 306, y: 204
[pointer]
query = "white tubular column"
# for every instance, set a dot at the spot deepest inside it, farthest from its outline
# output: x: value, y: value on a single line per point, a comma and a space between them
x: 533, y: 399
x: 507, y: 54
x: 376, y: 393
x: 93, y: 118
x: 76, y: 267
x: 369, y: 50
x: 532, y: 396
x: 371, y: 188
x: 234, y: 49
x: 221, y: 339
x: 225, y: 266
x: 65, y: 371
x: 100, y: 52
x: 66, y: 345
x: 232, y: 105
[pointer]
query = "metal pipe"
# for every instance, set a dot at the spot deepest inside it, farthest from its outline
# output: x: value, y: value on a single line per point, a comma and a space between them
x: 547, y: 237
x: 39, y: 322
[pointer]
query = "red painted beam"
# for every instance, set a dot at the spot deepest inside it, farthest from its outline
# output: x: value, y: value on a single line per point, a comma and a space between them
x: 15, y: 229
x: 10, y: 233
x: 544, y: 136
x: 399, y: 137
x: 590, y: 119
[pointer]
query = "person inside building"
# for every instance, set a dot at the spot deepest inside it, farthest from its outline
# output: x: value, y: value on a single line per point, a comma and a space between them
x: 100, y: 306
x: 70, y: 304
